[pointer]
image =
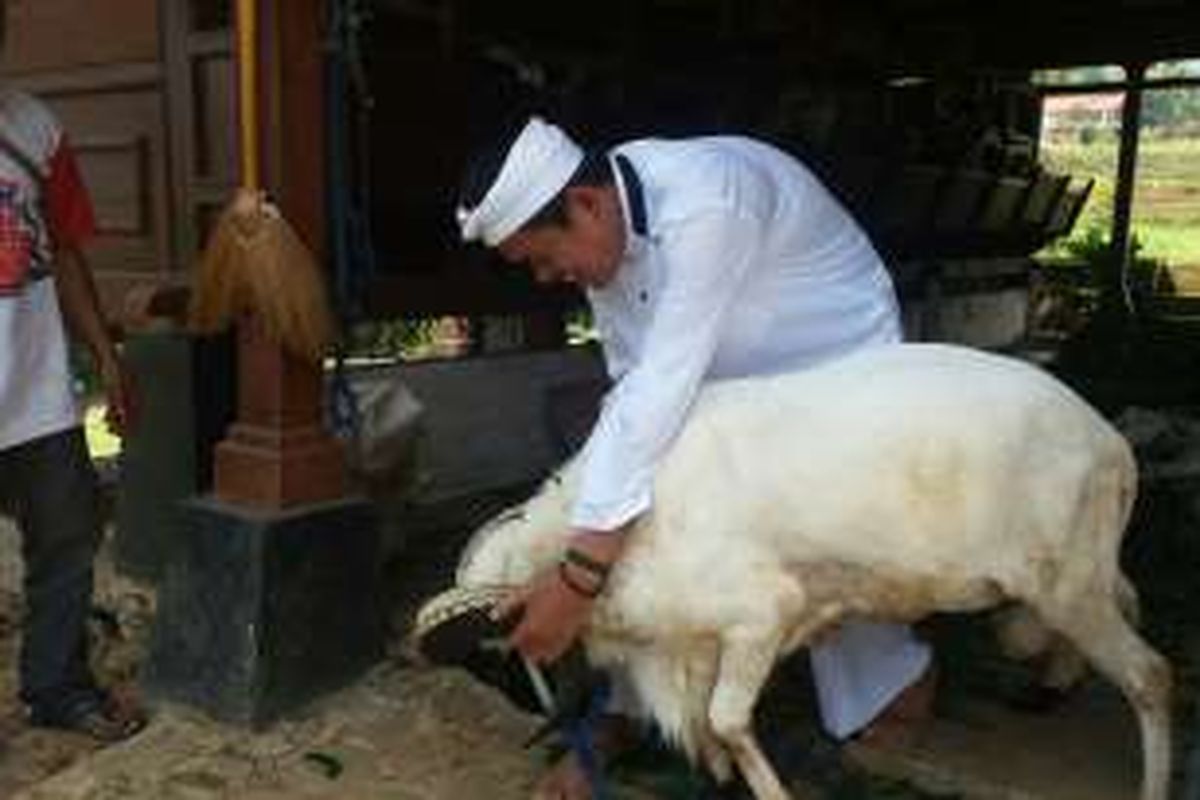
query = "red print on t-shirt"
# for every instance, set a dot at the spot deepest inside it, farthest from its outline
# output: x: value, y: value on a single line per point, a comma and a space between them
x: 16, y: 239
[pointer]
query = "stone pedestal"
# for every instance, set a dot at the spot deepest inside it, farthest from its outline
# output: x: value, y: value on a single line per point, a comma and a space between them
x: 261, y: 611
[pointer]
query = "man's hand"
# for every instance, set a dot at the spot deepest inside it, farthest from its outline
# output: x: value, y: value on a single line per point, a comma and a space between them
x: 554, y: 614
x: 121, y: 397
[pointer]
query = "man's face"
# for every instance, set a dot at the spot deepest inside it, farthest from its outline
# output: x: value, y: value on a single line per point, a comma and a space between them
x: 586, y: 251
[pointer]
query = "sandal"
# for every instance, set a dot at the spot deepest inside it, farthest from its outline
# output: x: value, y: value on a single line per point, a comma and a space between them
x: 94, y: 713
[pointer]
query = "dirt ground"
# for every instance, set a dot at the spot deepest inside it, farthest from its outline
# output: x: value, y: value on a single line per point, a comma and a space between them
x: 399, y: 732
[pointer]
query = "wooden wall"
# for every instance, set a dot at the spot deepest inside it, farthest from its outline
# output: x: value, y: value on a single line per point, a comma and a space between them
x: 58, y: 34
x: 143, y: 91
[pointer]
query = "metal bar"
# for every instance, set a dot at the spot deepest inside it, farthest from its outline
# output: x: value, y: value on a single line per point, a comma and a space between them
x: 1131, y: 120
x: 1103, y: 87
x: 249, y: 140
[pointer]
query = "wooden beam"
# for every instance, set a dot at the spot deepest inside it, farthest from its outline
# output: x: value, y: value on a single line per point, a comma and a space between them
x: 90, y: 80
x: 466, y: 293
x: 293, y: 110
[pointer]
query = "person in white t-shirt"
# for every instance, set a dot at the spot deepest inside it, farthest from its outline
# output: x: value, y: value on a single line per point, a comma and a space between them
x: 46, y: 478
x: 702, y: 259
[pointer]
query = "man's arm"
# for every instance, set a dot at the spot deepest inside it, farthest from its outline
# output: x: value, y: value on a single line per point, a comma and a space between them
x: 604, y: 547
x: 72, y: 223
x: 81, y: 310
x: 81, y: 305
x: 709, y: 261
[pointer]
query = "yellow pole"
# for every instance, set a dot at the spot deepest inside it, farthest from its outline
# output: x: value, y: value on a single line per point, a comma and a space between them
x: 254, y: 262
x: 247, y: 55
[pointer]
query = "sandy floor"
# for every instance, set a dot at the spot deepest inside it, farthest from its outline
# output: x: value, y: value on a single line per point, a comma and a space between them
x: 396, y: 734
x: 400, y: 732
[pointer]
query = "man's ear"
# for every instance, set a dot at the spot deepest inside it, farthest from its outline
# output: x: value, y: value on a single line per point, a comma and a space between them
x: 585, y: 199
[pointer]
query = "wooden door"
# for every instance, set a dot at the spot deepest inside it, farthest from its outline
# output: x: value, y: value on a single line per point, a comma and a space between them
x: 102, y: 75
x: 198, y: 45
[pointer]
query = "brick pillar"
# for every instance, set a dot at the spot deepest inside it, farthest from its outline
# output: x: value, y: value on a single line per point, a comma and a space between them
x: 277, y: 453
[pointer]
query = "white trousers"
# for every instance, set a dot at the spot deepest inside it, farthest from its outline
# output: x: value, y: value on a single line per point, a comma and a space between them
x: 861, y: 668
x: 858, y: 670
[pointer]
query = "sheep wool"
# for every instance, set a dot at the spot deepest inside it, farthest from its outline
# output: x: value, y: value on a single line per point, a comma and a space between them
x: 887, y: 485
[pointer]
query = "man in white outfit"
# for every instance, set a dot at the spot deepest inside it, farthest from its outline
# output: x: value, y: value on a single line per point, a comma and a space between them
x: 702, y: 259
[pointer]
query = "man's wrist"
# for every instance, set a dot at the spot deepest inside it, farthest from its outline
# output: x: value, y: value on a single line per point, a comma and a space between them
x: 105, y: 356
x: 588, y: 560
x: 584, y: 584
x: 604, y: 547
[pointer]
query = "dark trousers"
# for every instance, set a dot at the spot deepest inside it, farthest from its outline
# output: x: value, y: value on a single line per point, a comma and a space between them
x: 49, y: 486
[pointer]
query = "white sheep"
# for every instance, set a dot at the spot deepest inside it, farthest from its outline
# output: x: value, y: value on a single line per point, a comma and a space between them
x: 897, y: 482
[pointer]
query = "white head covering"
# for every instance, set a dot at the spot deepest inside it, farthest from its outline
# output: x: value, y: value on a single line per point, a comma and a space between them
x: 538, y: 165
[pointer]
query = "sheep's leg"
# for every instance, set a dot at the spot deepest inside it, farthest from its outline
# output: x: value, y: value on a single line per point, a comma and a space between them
x: 1065, y: 666
x: 1100, y: 631
x: 1024, y: 635
x: 1127, y: 601
x: 745, y: 664
x: 716, y: 758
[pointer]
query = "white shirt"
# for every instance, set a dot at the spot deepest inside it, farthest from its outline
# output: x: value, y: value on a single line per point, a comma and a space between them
x: 35, y: 380
x: 748, y: 266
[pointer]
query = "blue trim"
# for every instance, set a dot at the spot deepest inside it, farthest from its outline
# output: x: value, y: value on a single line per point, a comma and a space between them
x: 635, y: 195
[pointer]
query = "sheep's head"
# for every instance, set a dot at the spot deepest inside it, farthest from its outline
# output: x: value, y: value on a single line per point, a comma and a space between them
x: 516, y: 544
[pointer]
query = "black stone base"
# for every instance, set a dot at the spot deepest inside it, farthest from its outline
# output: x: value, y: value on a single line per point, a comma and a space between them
x: 259, y: 613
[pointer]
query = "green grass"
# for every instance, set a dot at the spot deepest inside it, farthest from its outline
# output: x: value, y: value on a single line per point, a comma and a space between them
x: 1179, y: 247
x: 1166, y: 200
